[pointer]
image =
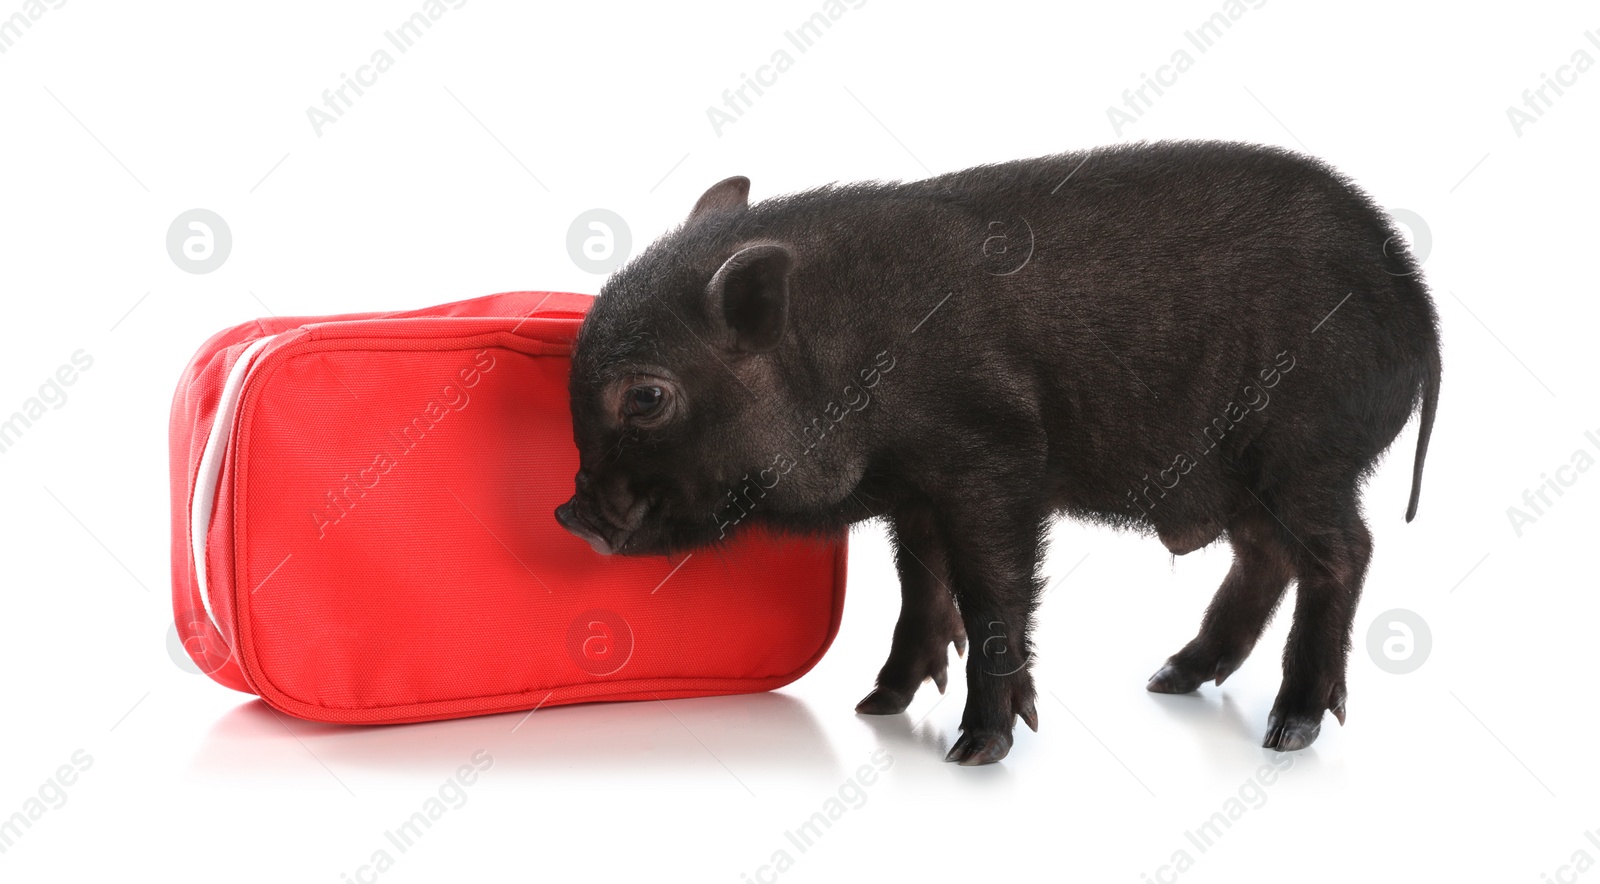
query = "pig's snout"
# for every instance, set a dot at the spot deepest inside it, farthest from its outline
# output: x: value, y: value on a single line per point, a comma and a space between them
x: 607, y: 513
x: 567, y: 515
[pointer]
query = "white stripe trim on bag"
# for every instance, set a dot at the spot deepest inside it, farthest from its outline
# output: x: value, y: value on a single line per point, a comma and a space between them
x: 210, y: 472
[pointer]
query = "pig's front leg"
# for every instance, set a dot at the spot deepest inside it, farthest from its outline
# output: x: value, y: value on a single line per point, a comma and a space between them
x: 992, y: 535
x: 928, y: 623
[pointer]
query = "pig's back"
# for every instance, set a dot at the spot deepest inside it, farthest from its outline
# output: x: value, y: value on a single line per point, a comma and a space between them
x: 1165, y: 284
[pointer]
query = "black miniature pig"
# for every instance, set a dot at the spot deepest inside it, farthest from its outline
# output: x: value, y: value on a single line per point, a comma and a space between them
x: 1192, y: 339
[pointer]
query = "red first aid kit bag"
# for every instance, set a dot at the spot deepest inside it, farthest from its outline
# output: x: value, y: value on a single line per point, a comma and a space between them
x: 363, y: 531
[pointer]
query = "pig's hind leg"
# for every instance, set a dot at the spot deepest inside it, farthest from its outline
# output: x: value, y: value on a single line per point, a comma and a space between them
x: 1233, y: 622
x: 1331, y: 547
x: 929, y: 622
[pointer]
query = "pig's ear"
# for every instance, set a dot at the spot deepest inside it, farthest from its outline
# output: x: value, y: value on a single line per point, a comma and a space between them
x: 749, y: 297
x: 727, y: 195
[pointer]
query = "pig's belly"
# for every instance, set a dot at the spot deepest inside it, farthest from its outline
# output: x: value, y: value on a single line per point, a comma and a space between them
x: 1187, y: 509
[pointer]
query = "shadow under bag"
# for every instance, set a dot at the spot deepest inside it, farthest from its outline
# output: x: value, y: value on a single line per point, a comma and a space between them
x: 363, y: 531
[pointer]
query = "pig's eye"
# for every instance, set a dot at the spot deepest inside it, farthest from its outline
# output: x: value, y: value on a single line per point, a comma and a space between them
x: 642, y: 401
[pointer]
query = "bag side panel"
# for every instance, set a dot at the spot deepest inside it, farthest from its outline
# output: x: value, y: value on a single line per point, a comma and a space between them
x: 194, y: 407
x: 399, y: 560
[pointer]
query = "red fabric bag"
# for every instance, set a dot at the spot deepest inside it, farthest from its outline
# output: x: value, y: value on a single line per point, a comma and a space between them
x: 363, y: 531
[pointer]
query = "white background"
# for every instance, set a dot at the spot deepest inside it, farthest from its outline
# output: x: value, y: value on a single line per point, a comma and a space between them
x: 458, y: 173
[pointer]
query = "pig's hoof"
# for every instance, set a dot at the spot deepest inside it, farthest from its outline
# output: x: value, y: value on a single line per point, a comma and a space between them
x: 1173, y: 679
x: 899, y: 681
x: 1179, y: 676
x: 892, y: 699
x: 979, y: 747
x: 883, y: 701
x: 1291, y: 730
x: 1288, y: 733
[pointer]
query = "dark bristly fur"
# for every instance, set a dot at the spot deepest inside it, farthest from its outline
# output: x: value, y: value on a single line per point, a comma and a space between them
x: 1193, y: 339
